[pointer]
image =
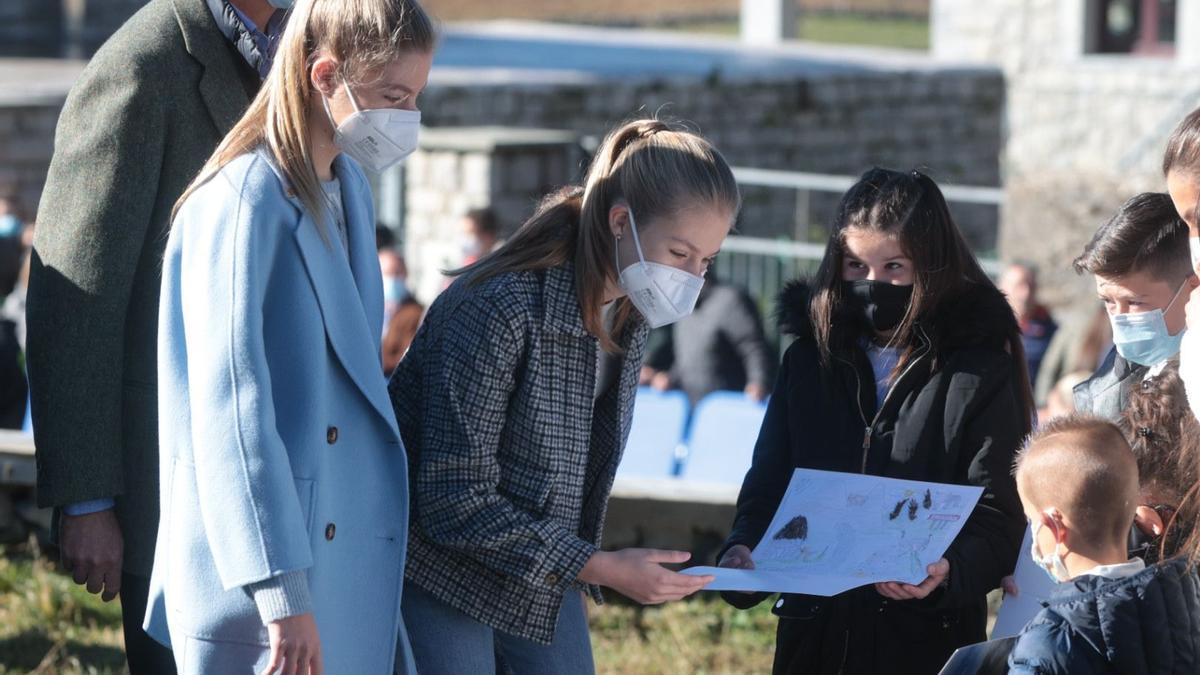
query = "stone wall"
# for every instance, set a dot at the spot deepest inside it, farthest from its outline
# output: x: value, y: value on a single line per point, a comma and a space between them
x: 460, y: 169
x: 948, y: 121
x: 1085, y: 131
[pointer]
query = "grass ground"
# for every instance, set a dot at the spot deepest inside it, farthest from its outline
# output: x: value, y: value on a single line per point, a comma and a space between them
x: 50, y: 626
x: 850, y: 29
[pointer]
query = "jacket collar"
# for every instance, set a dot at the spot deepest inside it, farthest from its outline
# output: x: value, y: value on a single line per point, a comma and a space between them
x: 220, y: 85
x: 351, y: 297
x: 562, y: 312
x: 256, y: 44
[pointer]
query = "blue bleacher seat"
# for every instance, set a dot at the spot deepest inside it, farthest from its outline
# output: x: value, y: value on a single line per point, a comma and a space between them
x: 27, y: 424
x: 720, y: 445
x: 659, y: 424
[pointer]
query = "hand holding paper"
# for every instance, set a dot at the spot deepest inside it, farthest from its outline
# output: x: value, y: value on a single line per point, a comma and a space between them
x: 836, y: 531
x: 938, y: 572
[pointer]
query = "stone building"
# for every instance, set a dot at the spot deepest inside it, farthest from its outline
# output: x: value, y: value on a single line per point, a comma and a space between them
x: 1094, y: 89
x: 797, y: 107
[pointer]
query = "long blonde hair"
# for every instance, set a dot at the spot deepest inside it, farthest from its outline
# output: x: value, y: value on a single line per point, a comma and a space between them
x: 363, y: 36
x: 649, y: 165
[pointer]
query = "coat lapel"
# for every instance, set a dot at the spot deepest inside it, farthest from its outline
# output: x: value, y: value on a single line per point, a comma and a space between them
x: 220, y: 85
x: 634, y: 345
x: 364, y: 259
x: 609, y: 424
x: 344, y: 291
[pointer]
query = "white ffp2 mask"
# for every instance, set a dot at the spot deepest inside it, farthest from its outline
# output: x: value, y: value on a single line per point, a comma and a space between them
x: 379, y: 138
x: 663, y: 294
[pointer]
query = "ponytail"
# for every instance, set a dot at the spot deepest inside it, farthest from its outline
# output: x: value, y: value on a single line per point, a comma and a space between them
x: 647, y: 164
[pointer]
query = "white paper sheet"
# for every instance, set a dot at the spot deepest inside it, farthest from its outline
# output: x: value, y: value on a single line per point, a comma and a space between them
x: 836, y: 531
x: 1033, y: 586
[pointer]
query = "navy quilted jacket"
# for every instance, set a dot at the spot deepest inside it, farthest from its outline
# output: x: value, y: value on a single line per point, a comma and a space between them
x: 1143, y: 624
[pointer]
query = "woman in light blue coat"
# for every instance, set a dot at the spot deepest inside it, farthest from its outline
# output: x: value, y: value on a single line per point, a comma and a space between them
x: 282, y: 539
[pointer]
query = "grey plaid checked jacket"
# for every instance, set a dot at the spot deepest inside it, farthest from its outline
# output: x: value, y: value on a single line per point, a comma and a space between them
x: 512, y: 458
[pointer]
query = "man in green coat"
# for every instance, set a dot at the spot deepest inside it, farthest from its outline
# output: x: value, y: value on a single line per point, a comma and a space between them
x: 143, y: 118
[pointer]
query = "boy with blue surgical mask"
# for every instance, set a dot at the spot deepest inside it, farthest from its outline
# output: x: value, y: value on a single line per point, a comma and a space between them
x: 1143, y: 272
x: 1078, y: 483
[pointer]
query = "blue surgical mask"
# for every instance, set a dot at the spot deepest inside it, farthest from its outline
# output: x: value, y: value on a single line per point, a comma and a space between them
x: 10, y: 225
x: 395, y: 290
x: 281, y: 4
x: 1142, y: 338
x: 1053, y: 564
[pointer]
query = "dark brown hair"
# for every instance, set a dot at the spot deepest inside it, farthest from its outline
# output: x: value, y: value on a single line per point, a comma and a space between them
x: 485, y: 219
x: 648, y: 164
x: 910, y: 207
x: 1183, y: 147
x: 1165, y: 438
x: 1146, y: 235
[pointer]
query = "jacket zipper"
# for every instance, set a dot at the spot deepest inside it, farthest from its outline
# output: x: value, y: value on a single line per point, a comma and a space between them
x: 866, y: 445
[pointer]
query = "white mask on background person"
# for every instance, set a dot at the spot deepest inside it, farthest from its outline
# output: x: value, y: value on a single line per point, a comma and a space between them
x: 1052, y: 564
x: 1194, y: 243
x: 377, y: 139
x: 663, y: 294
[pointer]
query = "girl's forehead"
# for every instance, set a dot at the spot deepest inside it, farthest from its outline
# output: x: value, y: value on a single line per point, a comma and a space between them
x: 872, y: 242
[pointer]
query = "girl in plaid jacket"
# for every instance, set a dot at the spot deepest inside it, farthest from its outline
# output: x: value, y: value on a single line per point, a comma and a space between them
x: 515, y: 398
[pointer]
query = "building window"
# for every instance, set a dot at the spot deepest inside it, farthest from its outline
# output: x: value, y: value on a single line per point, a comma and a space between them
x: 1145, y: 27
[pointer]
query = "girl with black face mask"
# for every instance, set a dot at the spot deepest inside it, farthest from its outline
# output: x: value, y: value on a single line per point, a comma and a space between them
x: 908, y: 364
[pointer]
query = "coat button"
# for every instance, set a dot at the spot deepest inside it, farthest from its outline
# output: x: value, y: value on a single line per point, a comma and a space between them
x: 552, y: 579
x: 331, y: 435
x: 330, y: 531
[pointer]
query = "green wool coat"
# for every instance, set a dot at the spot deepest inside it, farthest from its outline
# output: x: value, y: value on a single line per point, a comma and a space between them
x: 145, y: 115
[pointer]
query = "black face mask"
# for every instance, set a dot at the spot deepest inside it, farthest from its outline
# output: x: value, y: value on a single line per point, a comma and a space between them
x: 1150, y: 547
x: 879, y: 305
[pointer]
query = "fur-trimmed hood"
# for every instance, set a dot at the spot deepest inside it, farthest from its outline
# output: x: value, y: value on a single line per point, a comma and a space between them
x: 980, y: 316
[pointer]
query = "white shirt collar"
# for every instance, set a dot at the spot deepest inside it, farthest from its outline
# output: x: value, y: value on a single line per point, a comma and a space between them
x: 1118, y: 571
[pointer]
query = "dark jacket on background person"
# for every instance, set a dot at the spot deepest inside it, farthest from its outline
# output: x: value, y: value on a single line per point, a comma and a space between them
x: 1106, y: 393
x: 1145, y: 624
x: 719, y: 347
x: 512, y: 454
x: 14, y: 389
x: 953, y: 416
x: 1036, y: 335
x: 145, y: 115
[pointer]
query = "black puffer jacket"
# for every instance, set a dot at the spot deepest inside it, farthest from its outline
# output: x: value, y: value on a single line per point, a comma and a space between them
x: 1145, y: 624
x: 953, y: 416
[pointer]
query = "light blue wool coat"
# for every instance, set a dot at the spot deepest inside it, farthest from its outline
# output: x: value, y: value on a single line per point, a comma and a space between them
x: 279, y: 447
